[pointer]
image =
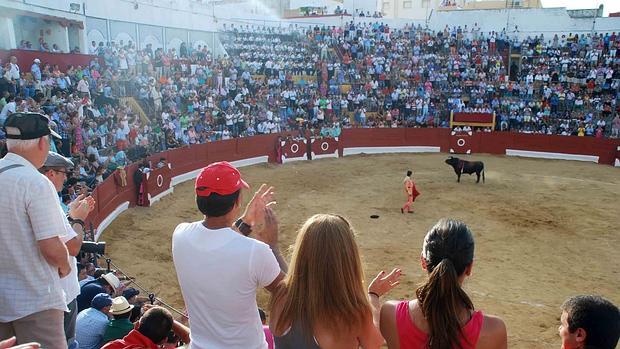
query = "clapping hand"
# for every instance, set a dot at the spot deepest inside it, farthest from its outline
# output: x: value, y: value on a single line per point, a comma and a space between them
x: 81, y: 207
x: 269, y: 233
x: 254, y: 214
x: 383, y: 282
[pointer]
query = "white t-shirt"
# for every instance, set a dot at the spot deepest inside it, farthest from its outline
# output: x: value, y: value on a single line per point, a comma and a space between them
x: 219, y: 272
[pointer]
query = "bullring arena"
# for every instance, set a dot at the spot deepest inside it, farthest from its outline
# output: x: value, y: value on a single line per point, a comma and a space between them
x: 545, y: 229
x: 121, y: 104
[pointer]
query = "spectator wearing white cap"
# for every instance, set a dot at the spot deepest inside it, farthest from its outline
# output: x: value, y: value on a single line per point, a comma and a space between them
x: 92, y: 322
x: 55, y: 169
x: 120, y: 325
x: 106, y: 283
x: 35, y: 70
x: 33, y: 258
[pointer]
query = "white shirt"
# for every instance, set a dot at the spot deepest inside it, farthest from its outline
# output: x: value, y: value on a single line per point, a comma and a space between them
x: 83, y: 86
x: 14, y: 72
x: 29, y: 212
x: 69, y: 283
x: 8, y: 109
x: 219, y: 272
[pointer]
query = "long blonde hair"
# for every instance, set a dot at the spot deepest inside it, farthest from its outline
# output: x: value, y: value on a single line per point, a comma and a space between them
x: 325, y: 283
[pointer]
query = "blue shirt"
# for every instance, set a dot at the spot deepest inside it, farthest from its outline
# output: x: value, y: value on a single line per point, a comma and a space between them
x: 90, y: 328
x: 62, y: 83
x: 36, y: 71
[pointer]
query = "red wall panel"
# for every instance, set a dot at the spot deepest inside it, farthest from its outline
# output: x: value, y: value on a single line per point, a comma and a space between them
x: 25, y: 58
x: 109, y: 195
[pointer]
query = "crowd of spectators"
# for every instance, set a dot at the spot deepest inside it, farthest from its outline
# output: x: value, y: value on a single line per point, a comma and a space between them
x: 323, y: 78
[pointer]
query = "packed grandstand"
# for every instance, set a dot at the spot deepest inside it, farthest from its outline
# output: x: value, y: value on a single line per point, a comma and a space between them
x: 122, y: 108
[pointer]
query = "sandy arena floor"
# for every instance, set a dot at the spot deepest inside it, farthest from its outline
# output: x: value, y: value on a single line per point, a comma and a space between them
x: 544, y: 229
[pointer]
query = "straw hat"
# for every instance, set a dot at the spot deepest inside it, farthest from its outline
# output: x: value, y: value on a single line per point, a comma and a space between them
x: 120, y: 306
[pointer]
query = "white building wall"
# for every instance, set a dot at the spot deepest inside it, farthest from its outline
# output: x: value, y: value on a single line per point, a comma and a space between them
x: 418, y: 10
x: 365, y: 5
x: 529, y: 21
x: 195, y: 18
x: 548, y: 21
x: 7, y: 33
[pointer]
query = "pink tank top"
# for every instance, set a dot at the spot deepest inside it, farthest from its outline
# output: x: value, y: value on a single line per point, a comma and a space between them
x: 411, y: 337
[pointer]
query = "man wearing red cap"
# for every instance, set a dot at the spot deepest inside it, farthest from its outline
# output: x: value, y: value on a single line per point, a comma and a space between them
x: 220, y: 268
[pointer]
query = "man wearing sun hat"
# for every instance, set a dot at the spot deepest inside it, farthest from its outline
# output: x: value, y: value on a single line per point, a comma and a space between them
x: 219, y: 268
x: 106, y: 283
x: 120, y: 326
x: 33, y: 258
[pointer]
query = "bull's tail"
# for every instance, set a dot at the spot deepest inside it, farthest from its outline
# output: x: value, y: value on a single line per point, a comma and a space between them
x: 483, y: 175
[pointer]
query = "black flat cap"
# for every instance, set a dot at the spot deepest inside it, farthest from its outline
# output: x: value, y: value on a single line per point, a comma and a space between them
x: 28, y: 126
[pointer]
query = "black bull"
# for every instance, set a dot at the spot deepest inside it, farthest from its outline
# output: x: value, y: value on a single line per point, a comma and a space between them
x: 469, y: 167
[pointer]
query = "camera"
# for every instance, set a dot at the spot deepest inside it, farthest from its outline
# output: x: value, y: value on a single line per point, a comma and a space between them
x: 101, y: 271
x: 93, y: 247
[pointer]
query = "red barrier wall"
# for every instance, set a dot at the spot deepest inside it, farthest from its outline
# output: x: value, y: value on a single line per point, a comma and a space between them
x: 110, y: 194
x: 473, y: 117
x: 155, y: 182
x: 25, y: 58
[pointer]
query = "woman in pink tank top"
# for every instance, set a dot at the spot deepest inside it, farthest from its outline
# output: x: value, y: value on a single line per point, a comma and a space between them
x: 442, y: 316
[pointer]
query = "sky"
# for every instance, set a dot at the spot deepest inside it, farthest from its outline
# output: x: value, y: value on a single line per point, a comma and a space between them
x: 608, y: 5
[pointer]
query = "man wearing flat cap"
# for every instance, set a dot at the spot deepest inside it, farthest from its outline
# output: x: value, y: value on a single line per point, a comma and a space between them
x: 33, y: 257
x: 56, y: 168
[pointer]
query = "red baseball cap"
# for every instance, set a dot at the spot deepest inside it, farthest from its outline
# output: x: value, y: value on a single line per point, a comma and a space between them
x: 221, y: 178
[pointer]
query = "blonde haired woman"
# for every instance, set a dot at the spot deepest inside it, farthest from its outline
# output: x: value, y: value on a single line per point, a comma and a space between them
x: 322, y: 302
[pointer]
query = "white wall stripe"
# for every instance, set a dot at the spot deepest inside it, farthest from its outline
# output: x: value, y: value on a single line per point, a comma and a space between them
x: 381, y: 150
x: 110, y: 218
x: 549, y: 155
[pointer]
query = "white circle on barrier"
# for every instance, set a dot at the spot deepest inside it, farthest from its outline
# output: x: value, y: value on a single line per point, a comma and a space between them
x: 460, y: 142
x: 160, y: 180
x: 294, y: 148
x: 324, y: 146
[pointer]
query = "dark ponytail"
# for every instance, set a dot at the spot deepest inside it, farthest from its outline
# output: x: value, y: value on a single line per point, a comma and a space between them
x: 448, y: 251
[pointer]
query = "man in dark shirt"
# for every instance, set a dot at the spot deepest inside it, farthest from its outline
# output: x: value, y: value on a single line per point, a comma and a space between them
x: 106, y: 283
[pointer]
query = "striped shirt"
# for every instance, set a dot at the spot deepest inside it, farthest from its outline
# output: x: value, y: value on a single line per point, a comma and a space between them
x: 29, y: 212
